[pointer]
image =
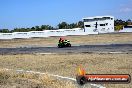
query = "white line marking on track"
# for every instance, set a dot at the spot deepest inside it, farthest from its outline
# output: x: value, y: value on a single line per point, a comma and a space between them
x: 58, y: 76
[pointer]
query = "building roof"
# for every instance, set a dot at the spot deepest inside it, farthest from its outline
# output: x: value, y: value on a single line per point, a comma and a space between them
x: 97, y: 17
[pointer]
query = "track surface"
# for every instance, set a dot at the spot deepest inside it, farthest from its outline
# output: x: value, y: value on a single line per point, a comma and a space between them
x: 124, y: 48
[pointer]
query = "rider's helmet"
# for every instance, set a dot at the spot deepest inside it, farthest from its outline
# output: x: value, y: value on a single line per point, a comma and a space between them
x: 62, y: 38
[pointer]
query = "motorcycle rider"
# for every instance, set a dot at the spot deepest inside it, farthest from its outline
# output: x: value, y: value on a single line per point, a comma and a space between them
x: 64, y: 43
x: 61, y: 40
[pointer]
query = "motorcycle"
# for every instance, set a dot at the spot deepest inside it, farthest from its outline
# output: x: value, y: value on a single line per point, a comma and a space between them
x: 65, y: 43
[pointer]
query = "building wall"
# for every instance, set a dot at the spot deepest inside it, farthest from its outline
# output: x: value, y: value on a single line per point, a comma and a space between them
x: 103, y: 25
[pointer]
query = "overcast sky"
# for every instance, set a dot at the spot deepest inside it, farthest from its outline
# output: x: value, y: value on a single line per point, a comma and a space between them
x: 28, y: 13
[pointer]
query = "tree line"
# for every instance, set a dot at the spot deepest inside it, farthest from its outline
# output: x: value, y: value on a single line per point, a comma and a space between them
x: 62, y: 25
x: 118, y: 23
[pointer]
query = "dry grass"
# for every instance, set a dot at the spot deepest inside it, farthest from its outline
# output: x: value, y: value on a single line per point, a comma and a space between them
x: 52, y: 41
x: 67, y: 65
x: 12, y: 79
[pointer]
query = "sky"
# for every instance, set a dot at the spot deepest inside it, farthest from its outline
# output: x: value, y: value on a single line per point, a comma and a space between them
x: 29, y: 13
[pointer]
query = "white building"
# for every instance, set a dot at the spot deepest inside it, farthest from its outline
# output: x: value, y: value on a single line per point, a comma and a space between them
x: 127, y: 29
x: 100, y: 24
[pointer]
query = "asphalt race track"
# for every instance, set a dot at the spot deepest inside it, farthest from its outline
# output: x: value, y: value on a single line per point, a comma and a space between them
x: 109, y: 48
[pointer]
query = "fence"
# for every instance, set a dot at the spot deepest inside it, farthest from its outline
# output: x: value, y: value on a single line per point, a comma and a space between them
x: 46, y: 33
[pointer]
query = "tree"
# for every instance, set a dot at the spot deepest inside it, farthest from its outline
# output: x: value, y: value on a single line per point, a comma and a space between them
x: 80, y: 24
x: 37, y: 28
x: 32, y: 29
x: 0, y: 31
x: 5, y: 31
x: 46, y: 27
x: 50, y: 27
x: 119, y: 27
x: 129, y: 22
x: 119, y: 24
x: 63, y: 25
x: 72, y: 25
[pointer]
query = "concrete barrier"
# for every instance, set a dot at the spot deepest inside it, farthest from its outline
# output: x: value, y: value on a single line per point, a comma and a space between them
x: 59, y: 32
x: 35, y: 34
x: 45, y: 33
x: 126, y: 30
x: 6, y: 35
x: 21, y: 35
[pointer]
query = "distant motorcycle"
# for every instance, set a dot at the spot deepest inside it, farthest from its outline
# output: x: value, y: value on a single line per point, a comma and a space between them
x: 65, y: 43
